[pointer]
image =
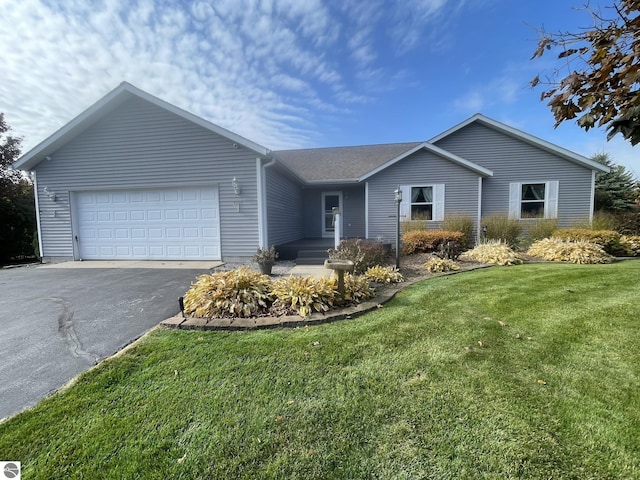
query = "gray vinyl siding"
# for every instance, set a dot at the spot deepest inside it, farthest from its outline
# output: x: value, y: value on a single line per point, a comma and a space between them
x: 353, y: 205
x: 140, y: 145
x: 513, y: 160
x: 285, y: 221
x: 461, y: 191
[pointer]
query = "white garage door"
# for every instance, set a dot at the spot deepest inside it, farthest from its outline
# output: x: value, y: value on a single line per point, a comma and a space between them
x: 167, y: 223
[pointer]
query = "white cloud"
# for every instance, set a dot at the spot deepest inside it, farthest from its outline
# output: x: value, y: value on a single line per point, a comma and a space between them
x: 234, y: 63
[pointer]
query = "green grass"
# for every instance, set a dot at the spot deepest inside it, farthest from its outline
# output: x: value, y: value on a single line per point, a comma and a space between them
x: 403, y: 392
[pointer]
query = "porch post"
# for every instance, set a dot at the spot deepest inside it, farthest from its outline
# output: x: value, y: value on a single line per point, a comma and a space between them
x: 337, y: 234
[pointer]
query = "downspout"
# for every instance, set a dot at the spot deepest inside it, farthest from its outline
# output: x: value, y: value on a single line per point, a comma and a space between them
x: 479, y: 229
x: 38, y: 228
x: 593, y: 195
x: 262, y: 200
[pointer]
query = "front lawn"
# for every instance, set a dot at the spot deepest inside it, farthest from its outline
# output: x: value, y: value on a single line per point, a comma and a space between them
x: 517, y: 372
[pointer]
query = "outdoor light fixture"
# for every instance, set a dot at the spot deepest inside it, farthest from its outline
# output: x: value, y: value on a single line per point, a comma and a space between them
x: 398, y: 197
x: 236, y: 186
x: 50, y: 194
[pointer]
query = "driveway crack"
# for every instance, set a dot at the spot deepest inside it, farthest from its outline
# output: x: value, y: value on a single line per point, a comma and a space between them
x: 68, y: 332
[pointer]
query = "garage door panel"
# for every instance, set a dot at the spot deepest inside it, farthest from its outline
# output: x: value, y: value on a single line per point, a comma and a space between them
x: 160, y: 224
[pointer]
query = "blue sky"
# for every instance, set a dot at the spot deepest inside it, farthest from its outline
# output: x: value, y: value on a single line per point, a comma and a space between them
x: 293, y: 73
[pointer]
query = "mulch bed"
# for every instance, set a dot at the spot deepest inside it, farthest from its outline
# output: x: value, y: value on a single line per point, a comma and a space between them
x: 411, y: 266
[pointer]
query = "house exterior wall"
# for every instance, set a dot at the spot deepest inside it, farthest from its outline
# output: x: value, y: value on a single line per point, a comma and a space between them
x: 285, y: 219
x: 140, y: 145
x: 513, y: 160
x: 461, y: 191
x: 353, y: 204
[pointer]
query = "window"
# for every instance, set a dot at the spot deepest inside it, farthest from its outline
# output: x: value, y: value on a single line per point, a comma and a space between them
x: 533, y: 200
x: 421, y: 203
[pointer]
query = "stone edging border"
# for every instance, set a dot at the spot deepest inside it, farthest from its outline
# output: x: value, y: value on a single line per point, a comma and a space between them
x: 294, y: 321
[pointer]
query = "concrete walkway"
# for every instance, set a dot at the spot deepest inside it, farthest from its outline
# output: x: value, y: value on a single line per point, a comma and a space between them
x: 153, y: 264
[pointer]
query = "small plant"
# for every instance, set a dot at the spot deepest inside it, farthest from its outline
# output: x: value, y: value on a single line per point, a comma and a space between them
x: 438, y: 265
x: 631, y: 245
x: 449, y: 250
x: 266, y: 257
x: 460, y: 223
x: 573, y: 251
x: 427, y: 240
x: 607, y: 239
x: 236, y: 293
x: 357, y: 288
x: 302, y: 295
x: 494, y: 251
x: 379, y: 274
x: 500, y: 227
x: 362, y: 253
x: 541, y: 228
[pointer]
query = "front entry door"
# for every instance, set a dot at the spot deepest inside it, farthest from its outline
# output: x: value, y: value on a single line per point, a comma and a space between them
x: 329, y: 201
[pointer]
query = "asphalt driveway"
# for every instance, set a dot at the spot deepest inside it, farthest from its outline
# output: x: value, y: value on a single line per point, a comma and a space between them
x: 57, y: 323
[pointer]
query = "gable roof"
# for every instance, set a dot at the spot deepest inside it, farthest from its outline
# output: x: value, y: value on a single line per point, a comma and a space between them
x: 125, y: 91
x: 357, y: 163
x: 340, y: 164
x: 525, y: 137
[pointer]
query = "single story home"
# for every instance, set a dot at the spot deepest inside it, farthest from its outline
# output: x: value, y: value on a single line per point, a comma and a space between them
x: 134, y: 177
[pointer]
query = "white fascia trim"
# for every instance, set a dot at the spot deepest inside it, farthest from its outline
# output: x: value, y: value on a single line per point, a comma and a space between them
x: 526, y: 137
x: 37, y: 153
x: 436, y: 150
x: 38, y: 227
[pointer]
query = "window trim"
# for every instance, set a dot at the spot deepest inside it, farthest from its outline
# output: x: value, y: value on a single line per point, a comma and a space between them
x: 551, y: 190
x: 438, y: 202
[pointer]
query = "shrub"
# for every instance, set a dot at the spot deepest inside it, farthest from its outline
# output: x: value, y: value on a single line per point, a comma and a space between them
x: 237, y: 293
x: 379, y: 274
x: 607, y: 239
x: 437, y: 265
x: 427, y: 240
x: 628, y: 223
x: 302, y: 295
x: 357, y: 288
x: 362, y: 253
x: 412, y: 225
x: 601, y: 221
x: 500, y: 227
x: 494, y: 251
x: 574, y: 251
x: 541, y: 228
x: 460, y: 223
x: 631, y: 245
x: 419, y: 222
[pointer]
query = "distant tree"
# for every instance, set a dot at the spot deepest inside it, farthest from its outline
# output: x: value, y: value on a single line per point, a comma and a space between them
x: 599, y: 79
x: 17, y: 208
x: 616, y: 191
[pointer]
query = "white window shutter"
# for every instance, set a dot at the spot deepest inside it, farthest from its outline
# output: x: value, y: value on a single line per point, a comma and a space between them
x: 405, y: 205
x: 438, y: 202
x: 551, y: 200
x: 515, y: 195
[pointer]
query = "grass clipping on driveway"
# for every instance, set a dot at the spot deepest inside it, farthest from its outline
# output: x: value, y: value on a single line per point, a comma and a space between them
x: 522, y: 372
